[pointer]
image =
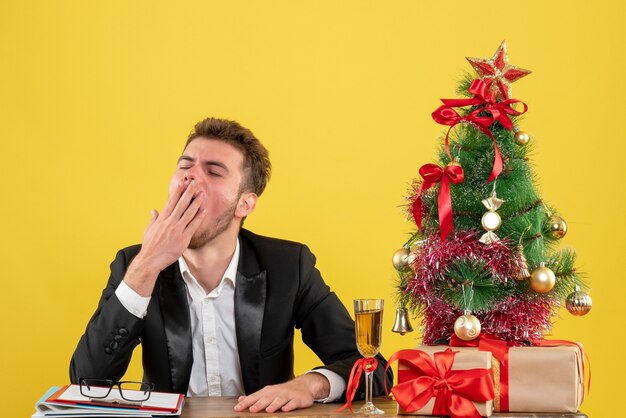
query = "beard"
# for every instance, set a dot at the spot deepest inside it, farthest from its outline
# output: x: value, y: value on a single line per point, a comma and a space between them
x: 222, y: 222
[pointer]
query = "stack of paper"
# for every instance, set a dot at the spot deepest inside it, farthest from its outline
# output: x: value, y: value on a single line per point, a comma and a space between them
x: 67, y: 401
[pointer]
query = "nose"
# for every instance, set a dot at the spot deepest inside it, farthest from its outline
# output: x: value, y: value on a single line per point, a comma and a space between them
x: 191, y: 174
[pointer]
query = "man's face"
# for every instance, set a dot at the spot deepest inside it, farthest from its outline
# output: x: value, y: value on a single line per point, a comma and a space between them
x: 217, y: 168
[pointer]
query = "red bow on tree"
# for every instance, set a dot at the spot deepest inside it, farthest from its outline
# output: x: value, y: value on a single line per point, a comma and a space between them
x: 453, y: 390
x: 431, y: 175
x: 488, y: 111
x: 499, y: 111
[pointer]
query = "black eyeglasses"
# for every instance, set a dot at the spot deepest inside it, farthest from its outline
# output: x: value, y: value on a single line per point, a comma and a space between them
x: 129, y: 391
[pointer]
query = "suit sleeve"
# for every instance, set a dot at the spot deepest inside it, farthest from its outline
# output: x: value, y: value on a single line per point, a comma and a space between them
x: 105, y: 349
x: 328, y: 329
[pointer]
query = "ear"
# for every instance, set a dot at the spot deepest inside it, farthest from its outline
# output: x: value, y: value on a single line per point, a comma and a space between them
x: 246, y: 205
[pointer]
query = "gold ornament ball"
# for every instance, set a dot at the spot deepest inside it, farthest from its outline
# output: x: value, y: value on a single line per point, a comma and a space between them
x: 578, y: 303
x: 400, y: 259
x: 467, y: 327
x: 491, y: 221
x: 410, y: 260
x: 542, y: 279
x: 557, y: 227
x: 521, y: 138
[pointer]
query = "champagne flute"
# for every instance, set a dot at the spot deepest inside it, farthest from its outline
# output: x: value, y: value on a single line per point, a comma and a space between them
x: 368, y: 328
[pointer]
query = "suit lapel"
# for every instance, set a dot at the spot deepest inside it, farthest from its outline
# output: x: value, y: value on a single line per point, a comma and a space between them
x: 249, y: 308
x: 177, y: 325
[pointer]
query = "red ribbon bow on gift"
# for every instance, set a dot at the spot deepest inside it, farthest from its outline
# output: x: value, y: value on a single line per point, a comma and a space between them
x: 500, y: 350
x: 453, y: 390
x: 431, y: 175
x: 367, y: 364
x: 486, y: 102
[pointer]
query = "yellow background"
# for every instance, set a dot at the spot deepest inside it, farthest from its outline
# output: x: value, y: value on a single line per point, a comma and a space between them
x: 96, y: 100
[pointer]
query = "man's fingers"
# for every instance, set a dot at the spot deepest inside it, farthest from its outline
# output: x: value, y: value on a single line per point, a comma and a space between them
x: 154, y: 214
x: 174, y: 198
x: 192, y: 209
x: 195, y: 222
x: 256, y: 401
x: 153, y: 217
x: 184, y: 201
x: 246, y: 401
x: 260, y: 405
x: 285, y: 397
x: 278, y: 403
x: 290, y: 406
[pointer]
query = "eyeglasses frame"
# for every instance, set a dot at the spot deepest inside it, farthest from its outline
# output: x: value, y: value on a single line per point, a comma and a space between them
x: 111, y: 384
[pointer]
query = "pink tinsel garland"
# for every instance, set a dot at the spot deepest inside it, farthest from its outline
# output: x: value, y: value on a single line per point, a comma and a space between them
x: 514, y: 319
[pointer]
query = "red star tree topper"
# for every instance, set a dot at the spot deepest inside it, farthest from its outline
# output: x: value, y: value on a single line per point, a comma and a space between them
x: 498, y: 72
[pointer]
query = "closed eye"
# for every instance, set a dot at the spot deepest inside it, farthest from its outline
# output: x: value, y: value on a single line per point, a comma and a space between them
x: 215, y: 168
x: 185, y: 162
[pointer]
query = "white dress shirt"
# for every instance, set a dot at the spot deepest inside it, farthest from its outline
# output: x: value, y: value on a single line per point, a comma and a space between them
x: 216, y: 370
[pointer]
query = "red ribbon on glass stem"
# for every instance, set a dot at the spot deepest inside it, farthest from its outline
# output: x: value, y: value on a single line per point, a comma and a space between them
x: 453, y: 390
x: 362, y: 364
x: 432, y: 174
x: 497, y: 111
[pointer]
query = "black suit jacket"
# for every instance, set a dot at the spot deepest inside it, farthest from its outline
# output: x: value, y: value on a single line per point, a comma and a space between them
x: 277, y: 288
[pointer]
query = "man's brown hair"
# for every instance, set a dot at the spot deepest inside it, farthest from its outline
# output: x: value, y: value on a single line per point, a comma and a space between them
x: 257, y: 167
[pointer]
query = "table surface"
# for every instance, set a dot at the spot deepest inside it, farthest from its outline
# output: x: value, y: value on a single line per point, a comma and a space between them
x: 223, y: 407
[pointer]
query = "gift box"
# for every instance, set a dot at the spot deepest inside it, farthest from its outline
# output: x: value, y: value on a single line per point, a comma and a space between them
x: 548, y: 377
x: 437, y: 380
x: 545, y: 379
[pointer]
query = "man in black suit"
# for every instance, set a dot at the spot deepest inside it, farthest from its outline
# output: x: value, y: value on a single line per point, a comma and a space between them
x: 214, y: 305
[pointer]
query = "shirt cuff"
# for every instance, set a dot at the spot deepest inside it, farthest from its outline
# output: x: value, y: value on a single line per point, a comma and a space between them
x: 132, y: 301
x: 337, y: 385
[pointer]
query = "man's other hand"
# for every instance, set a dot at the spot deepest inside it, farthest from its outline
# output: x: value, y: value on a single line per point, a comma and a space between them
x: 298, y: 393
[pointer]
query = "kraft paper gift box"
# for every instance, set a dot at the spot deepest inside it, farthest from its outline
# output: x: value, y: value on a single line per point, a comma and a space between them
x: 548, y: 378
x: 544, y: 379
x: 464, y: 359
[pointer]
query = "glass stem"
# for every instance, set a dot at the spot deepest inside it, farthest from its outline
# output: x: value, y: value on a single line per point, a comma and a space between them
x: 369, y: 380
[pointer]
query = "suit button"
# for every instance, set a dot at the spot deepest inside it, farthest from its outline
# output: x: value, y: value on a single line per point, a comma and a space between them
x: 123, y: 331
x: 113, y: 345
x: 117, y: 337
x: 108, y: 350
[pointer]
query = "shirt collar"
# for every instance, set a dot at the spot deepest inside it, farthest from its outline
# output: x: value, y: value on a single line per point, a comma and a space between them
x: 230, y: 274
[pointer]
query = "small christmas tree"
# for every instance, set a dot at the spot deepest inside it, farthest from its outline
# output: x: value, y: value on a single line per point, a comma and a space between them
x: 483, y: 258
